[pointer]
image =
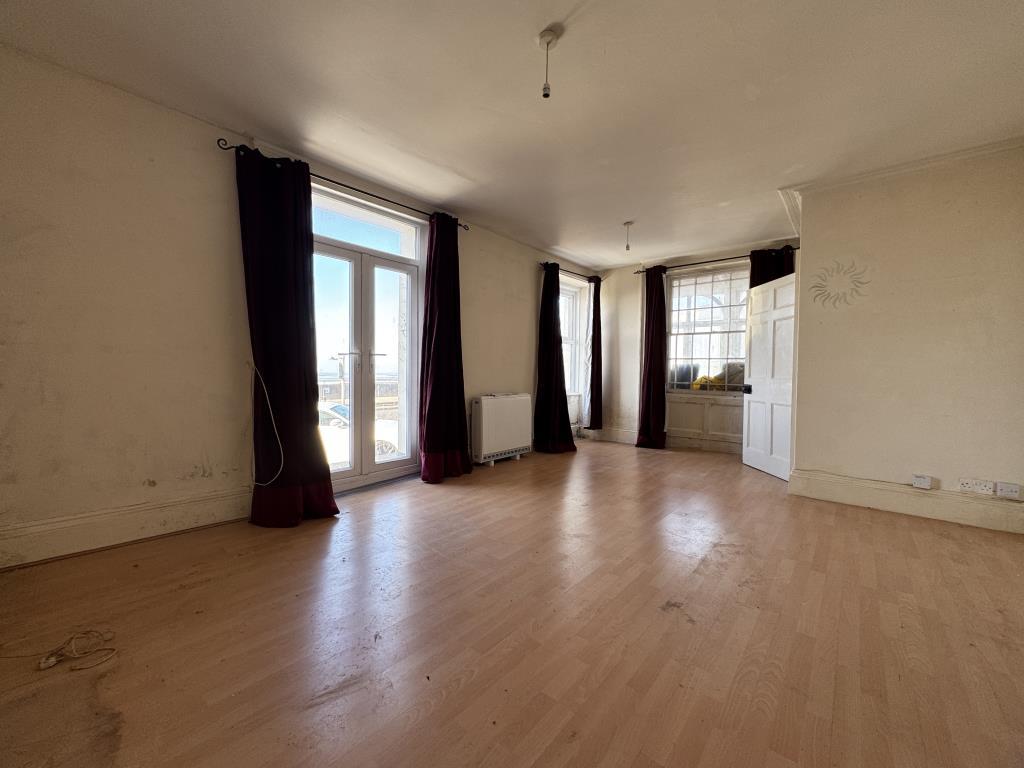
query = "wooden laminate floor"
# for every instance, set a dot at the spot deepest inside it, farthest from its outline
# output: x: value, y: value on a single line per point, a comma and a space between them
x: 615, y: 607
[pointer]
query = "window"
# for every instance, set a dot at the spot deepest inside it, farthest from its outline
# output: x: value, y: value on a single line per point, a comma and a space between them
x: 707, y: 329
x: 572, y: 304
x: 344, y: 220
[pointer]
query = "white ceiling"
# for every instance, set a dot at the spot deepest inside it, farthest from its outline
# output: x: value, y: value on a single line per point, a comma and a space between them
x: 685, y: 116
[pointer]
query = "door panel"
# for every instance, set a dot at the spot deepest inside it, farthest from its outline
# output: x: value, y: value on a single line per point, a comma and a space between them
x: 336, y: 284
x: 767, y: 404
x: 390, y: 320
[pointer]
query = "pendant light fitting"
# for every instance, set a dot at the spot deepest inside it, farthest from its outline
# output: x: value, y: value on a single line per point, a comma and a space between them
x: 627, y: 225
x: 547, y: 40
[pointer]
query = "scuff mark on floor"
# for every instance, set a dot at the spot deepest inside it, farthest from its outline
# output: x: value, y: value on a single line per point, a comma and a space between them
x: 347, y: 685
x: 673, y: 605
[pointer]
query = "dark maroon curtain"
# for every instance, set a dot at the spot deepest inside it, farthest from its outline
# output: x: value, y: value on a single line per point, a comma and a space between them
x: 552, y: 432
x: 444, y: 442
x: 292, y: 478
x: 596, y: 393
x: 768, y: 265
x: 653, y: 379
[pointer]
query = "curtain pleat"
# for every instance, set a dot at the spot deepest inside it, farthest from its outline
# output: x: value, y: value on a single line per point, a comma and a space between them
x: 293, y: 479
x: 552, y: 431
x: 444, y: 441
x: 596, y: 388
x: 651, y: 433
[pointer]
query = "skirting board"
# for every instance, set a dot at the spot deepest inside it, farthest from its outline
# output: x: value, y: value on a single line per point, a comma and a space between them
x: 628, y: 436
x: 704, y: 444
x: 952, y: 506
x: 612, y: 435
x: 44, y: 539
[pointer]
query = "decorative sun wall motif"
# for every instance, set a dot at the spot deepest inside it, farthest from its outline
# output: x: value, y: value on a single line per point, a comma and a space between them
x: 839, y: 284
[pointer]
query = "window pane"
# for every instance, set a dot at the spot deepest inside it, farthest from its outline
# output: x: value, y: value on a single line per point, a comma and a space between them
x: 736, y: 345
x: 686, y: 296
x: 719, y: 345
x: 391, y: 396
x: 564, y: 315
x: 701, y: 345
x: 739, y: 318
x: 720, y: 319
x: 738, y: 295
x: 720, y: 292
x: 703, y: 295
x: 702, y: 320
x: 566, y: 364
x: 686, y: 321
x: 341, y: 220
x: 684, y: 346
x: 333, y: 305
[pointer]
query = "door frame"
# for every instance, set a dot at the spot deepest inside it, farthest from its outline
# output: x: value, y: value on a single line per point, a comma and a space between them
x: 363, y: 260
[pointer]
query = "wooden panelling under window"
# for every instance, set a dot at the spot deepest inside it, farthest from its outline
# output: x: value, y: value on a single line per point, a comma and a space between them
x: 705, y: 421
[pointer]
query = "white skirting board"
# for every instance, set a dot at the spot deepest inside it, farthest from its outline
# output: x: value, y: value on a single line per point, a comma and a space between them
x: 42, y: 539
x: 952, y: 506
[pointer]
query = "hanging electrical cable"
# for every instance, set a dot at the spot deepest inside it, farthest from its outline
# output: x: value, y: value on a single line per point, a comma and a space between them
x: 546, y: 40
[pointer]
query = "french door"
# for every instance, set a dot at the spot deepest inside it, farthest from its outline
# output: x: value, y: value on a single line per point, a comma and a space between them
x: 366, y: 334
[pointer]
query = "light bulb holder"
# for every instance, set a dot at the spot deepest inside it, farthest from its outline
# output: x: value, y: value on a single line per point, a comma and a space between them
x: 547, y: 40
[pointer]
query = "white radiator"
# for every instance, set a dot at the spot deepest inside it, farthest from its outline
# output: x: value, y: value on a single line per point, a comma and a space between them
x: 502, y: 426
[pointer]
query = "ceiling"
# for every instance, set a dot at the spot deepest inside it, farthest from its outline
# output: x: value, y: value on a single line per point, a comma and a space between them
x: 684, y: 116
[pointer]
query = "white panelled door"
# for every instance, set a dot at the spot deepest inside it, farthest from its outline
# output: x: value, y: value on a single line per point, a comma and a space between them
x: 768, y: 394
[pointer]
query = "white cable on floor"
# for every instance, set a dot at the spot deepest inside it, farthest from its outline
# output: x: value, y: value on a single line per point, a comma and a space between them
x: 80, y: 645
x: 273, y: 423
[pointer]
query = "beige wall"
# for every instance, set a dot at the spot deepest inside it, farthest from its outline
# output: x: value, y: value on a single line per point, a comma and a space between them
x: 123, y: 338
x: 621, y: 338
x: 500, y: 281
x: 124, y: 349
x: 923, y: 373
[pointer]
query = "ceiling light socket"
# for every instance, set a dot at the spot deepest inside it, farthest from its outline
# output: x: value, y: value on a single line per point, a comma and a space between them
x: 549, y: 37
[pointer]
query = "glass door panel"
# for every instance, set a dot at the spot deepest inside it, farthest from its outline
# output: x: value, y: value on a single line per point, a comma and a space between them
x: 392, y: 356
x: 336, y: 303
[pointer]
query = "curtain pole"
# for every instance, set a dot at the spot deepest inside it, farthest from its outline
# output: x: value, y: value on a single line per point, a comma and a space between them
x: 710, y: 261
x: 223, y: 144
x: 567, y: 271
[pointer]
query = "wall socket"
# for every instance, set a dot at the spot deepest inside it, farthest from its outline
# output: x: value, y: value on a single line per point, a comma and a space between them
x: 972, y: 485
x: 926, y: 482
x: 1008, y: 491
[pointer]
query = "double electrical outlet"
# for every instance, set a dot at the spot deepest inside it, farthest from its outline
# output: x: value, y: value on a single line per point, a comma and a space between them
x: 972, y: 485
x: 988, y: 488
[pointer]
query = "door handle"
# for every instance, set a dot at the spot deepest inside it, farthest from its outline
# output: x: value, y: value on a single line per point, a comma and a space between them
x: 747, y: 389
